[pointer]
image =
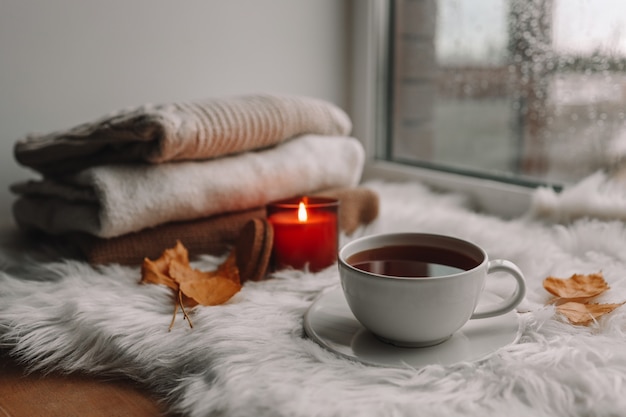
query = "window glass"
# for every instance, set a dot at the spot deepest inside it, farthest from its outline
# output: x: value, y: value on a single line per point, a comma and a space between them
x: 527, y: 91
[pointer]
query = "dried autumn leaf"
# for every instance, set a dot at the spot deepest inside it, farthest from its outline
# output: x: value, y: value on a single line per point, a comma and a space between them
x: 156, y: 272
x: 192, y: 287
x: 583, y: 314
x: 577, y: 286
x: 207, y: 288
x: 151, y: 274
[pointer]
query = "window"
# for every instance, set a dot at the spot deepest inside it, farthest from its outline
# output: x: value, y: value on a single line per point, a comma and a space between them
x: 523, y: 92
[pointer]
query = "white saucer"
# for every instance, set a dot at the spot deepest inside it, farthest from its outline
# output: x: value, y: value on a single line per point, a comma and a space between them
x: 330, y: 323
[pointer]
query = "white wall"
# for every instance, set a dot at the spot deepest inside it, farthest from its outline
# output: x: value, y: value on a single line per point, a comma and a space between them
x: 64, y: 62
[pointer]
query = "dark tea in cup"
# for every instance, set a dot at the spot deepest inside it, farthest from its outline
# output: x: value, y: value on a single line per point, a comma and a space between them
x: 417, y: 261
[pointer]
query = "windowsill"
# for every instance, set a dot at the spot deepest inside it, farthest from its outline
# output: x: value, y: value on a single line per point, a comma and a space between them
x: 493, y: 197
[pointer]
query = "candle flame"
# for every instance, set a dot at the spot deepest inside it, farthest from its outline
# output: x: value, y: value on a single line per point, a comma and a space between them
x: 302, y: 216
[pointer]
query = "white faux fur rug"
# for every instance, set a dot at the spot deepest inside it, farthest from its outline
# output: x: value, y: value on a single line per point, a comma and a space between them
x: 250, y: 357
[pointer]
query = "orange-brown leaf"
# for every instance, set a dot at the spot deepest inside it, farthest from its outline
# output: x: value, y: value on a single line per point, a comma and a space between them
x: 207, y: 288
x: 151, y: 274
x: 157, y: 271
x: 576, y: 286
x: 192, y: 287
x: 583, y: 314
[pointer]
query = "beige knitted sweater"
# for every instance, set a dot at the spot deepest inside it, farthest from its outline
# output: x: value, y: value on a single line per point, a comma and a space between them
x: 182, y: 131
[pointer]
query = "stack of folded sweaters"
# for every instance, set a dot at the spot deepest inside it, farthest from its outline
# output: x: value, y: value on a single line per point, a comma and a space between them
x: 129, y: 185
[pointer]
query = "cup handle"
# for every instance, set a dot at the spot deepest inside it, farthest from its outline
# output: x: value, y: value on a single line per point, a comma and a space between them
x: 510, y: 303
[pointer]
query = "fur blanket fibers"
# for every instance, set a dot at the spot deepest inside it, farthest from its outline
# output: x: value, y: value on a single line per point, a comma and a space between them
x: 249, y: 357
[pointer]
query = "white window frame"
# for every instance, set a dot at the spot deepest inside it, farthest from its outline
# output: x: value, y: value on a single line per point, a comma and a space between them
x: 368, y: 100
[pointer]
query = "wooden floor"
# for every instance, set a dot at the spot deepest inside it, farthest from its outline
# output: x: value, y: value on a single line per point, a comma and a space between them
x: 55, y: 395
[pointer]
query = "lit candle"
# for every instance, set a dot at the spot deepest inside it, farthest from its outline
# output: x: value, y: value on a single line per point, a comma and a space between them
x: 305, y: 232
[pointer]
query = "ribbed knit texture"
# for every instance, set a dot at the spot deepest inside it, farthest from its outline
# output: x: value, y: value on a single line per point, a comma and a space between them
x: 182, y: 131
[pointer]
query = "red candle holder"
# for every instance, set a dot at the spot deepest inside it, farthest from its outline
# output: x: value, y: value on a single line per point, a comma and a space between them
x: 305, y: 232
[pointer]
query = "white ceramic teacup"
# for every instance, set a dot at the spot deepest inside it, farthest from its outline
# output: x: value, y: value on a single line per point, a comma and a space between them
x: 415, y: 304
